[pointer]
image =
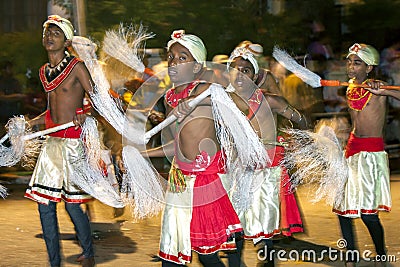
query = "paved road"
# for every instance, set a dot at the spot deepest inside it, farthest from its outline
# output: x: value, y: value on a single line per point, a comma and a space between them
x: 121, y: 241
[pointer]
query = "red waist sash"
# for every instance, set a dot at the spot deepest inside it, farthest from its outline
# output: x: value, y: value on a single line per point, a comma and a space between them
x: 203, y: 164
x: 70, y: 132
x: 369, y: 144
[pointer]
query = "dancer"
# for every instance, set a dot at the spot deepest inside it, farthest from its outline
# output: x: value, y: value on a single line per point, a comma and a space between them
x: 271, y: 203
x: 290, y: 221
x: 199, y: 215
x: 65, y: 79
x: 368, y: 189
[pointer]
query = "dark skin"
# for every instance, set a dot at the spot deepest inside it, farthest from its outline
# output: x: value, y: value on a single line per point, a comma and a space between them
x: 68, y: 96
x: 242, y: 78
x: 370, y: 121
x: 195, y: 129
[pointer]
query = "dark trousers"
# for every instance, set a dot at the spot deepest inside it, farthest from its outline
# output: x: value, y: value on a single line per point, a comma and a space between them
x: 374, y: 227
x: 208, y: 260
x: 51, y: 235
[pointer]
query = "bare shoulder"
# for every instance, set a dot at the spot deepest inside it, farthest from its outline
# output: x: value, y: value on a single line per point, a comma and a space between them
x: 201, y: 88
x: 81, y: 68
x: 270, y: 84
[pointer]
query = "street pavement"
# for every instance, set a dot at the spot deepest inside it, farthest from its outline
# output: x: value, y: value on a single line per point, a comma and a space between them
x: 121, y: 241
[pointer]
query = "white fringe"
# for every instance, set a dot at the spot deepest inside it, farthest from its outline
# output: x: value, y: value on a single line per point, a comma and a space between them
x: 20, y: 149
x: 93, y: 182
x: 242, y: 146
x: 91, y: 138
x: 235, y: 133
x: 290, y: 64
x: 88, y: 174
x: 101, y: 99
x: 317, y: 159
x: 125, y: 43
x: 3, y: 191
x: 242, y: 187
x: 141, y: 185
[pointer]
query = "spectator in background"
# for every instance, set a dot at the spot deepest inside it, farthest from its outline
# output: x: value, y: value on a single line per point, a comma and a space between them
x: 390, y: 68
x: 11, y: 96
x: 35, y: 102
x: 319, y: 42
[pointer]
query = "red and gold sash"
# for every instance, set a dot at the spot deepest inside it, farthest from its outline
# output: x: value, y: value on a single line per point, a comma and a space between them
x: 255, y: 103
x: 357, y: 97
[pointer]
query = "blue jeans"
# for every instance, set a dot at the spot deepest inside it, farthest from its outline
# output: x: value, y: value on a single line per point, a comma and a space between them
x: 51, y: 235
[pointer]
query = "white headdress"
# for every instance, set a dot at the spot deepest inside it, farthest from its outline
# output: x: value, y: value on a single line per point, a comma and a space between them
x: 193, y: 43
x: 64, y: 24
x: 367, y: 53
x: 248, y: 52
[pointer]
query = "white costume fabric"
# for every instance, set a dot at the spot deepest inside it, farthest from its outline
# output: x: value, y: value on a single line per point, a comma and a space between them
x: 51, y: 179
x: 368, y: 187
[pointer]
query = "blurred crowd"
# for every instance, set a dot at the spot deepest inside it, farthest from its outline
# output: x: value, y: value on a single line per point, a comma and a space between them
x: 28, y: 98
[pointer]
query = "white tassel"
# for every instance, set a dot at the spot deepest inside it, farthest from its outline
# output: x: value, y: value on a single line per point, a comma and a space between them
x: 243, y: 186
x: 88, y: 174
x: 317, y: 159
x: 142, y: 185
x: 234, y: 131
x: 242, y: 146
x: 94, y: 182
x: 124, y: 45
x: 21, y: 149
x: 3, y: 191
x: 101, y: 99
x: 290, y: 64
x: 91, y: 138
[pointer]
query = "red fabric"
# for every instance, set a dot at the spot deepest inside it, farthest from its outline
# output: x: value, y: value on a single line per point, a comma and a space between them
x: 290, y: 214
x: 67, y: 133
x: 363, y: 211
x: 173, y: 98
x: 213, y: 216
x: 55, y: 199
x: 369, y: 144
x: 358, y: 98
x: 255, y: 103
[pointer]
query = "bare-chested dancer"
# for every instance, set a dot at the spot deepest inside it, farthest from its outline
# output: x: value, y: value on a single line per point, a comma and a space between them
x: 65, y: 80
x: 272, y: 204
x: 198, y: 215
x: 367, y: 190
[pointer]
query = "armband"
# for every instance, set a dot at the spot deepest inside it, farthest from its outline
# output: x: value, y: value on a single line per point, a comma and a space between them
x: 79, y: 111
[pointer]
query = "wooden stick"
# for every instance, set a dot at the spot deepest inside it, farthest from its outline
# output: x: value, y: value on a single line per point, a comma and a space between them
x: 339, y: 83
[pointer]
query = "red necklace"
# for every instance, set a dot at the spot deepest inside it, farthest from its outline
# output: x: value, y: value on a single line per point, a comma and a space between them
x: 173, y: 98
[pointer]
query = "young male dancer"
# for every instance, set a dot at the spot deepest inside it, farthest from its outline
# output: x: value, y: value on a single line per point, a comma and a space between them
x: 65, y: 80
x: 271, y: 203
x: 368, y: 188
x: 198, y: 214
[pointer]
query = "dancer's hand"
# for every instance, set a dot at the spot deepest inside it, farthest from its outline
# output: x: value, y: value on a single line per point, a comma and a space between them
x: 79, y: 118
x: 182, y: 110
x: 375, y: 87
